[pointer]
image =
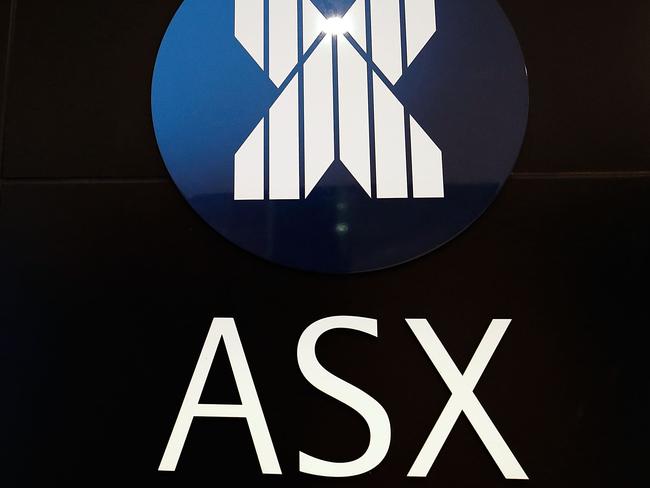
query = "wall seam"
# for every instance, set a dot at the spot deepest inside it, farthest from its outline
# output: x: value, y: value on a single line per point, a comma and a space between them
x: 83, y: 181
x: 580, y: 175
x: 604, y: 175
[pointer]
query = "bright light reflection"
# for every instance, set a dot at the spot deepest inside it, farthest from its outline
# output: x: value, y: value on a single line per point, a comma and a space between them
x: 335, y: 26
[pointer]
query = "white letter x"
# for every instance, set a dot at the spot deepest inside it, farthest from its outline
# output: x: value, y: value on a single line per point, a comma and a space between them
x: 463, y: 399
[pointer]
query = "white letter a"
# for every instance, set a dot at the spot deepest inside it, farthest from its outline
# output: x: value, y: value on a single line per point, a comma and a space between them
x: 250, y: 408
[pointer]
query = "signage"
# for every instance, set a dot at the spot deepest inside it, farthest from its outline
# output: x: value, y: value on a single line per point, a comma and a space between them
x: 340, y: 136
x: 463, y: 400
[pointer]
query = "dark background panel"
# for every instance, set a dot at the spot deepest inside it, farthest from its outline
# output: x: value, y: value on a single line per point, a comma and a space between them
x: 5, y: 21
x: 589, y: 74
x: 81, y: 70
x: 109, y: 290
x: 109, y: 281
x: 6, y: 8
x: 79, y: 94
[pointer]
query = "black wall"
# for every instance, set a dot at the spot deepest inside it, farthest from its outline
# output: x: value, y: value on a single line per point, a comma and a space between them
x: 109, y: 281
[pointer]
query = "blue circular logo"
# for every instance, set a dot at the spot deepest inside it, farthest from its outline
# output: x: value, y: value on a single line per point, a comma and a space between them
x: 340, y: 136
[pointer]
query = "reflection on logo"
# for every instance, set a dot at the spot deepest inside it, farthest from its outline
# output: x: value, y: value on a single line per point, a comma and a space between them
x: 336, y: 78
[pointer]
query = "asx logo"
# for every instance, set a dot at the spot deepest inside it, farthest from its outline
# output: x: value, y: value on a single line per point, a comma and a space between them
x: 339, y: 136
x: 336, y: 104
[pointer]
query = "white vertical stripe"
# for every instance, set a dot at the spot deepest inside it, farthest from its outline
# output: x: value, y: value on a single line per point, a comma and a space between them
x: 390, y: 145
x: 426, y: 163
x: 386, y: 38
x: 420, y: 25
x: 249, y: 27
x: 284, y: 173
x: 313, y: 22
x: 353, y: 114
x: 355, y: 21
x: 249, y: 166
x: 319, y: 114
x: 283, y: 39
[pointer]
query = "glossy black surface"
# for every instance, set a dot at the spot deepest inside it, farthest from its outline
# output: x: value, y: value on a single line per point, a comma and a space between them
x: 108, y: 286
x: 85, y: 68
x: 5, y: 28
x: 101, y: 329
x: 589, y: 76
x: 80, y: 88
